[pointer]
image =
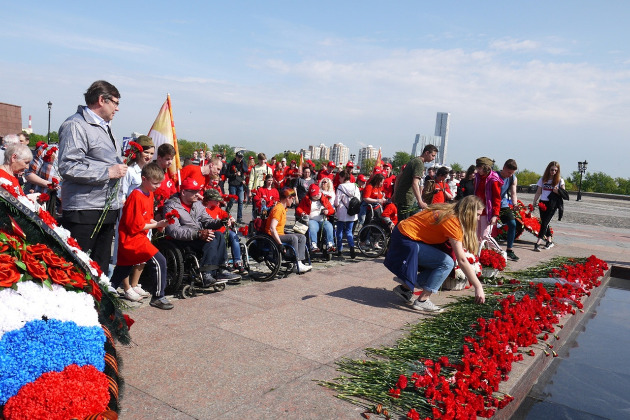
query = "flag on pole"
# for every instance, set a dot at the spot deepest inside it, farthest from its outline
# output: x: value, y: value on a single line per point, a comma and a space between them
x: 163, y: 131
x: 301, y: 161
x: 379, y: 159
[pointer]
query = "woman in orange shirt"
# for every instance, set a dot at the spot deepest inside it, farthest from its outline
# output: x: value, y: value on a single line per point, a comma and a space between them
x: 415, y: 253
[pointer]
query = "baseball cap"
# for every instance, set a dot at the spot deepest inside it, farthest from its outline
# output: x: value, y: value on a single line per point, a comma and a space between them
x: 190, y: 184
x: 313, y: 190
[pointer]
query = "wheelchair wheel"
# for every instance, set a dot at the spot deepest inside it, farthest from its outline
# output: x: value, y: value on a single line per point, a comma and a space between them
x: 187, y: 291
x: 174, y: 266
x: 372, y: 241
x: 219, y: 287
x: 263, y: 258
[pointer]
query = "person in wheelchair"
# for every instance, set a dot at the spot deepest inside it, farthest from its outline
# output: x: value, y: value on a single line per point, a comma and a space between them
x: 316, y: 207
x: 195, y: 228
x: 265, y: 197
x: 275, y: 227
x: 211, y: 200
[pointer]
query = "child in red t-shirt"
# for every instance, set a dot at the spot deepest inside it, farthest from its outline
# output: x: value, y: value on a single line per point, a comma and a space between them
x: 211, y: 200
x: 134, y: 247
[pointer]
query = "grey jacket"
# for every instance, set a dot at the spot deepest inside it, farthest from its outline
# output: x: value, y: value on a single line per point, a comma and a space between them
x: 187, y: 227
x: 86, y: 152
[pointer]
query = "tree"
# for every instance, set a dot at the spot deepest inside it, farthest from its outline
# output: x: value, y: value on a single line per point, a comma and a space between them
x: 368, y: 166
x: 224, y: 149
x: 456, y: 167
x: 599, y: 182
x: 186, y: 148
x: 400, y: 159
x: 527, y: 177
x: 36, y: 138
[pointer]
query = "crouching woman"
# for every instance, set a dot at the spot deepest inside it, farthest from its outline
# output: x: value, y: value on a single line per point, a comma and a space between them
x: 418, y: 250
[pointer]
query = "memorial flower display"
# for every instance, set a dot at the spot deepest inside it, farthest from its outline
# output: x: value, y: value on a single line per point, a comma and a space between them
x: 450, y: 366
x: 57, y: 324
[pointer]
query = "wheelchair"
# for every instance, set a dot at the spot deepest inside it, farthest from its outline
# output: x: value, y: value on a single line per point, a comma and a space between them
x: 322, y: 244
x: 373, y: 237
x: 263, y: 258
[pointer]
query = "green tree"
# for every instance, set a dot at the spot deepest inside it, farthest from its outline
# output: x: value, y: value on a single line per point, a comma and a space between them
x: 456, y: 167
x: 527, y: 177
x: 599, y: 182
x: 400, y: 159
x: 368, y: 166
x: 35, y: 138
x: 224, y: 149
x: 186, y: 148
x: 623, y: 186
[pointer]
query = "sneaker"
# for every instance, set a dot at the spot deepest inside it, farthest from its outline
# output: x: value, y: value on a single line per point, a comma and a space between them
x: 303, y: 268
x: 406, y: 295
x: 208, y: 280
x: 161, y: 303
x: 239, y: 269
x: 314, y: 247
x: 230, y: 277
x: 549, y: 245
x: 511, y: 255
x: 537, y: 248
x: 353, y: 253
x: 426, y: 306
x: 139, y: 290
x: 132, y: 295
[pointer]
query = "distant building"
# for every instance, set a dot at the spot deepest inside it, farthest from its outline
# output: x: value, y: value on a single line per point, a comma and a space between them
x: 340, y: 154
x: 441, y: 129
x: 10, y: 119
x: 368, y: 152
x: 305, y: 153
x: 320, y: 152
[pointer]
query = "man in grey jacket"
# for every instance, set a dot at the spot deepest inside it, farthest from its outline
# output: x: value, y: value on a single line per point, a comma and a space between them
x: 90, y: 163
x: 195, y: 228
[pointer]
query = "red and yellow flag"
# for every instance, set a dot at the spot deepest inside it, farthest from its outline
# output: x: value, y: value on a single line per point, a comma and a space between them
x: 301, y: 160
x: 163, y: 131
x: 379, y: 159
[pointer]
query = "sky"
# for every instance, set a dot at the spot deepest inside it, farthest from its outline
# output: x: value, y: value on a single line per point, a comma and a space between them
x: 535, y: 81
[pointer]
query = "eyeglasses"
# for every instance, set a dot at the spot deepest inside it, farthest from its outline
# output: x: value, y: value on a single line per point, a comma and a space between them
x: 116, y: 103
x: 192, y: 191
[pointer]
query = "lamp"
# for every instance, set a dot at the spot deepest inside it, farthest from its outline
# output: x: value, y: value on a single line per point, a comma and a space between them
x: 49, y: 107
x: 581, y: 170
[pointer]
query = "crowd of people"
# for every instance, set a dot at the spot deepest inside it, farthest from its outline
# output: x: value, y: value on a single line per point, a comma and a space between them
x: 103, y: 194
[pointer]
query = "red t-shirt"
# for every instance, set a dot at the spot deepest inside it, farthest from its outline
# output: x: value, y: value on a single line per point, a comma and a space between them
x: 194, y: 172
x: 134, y: 247
x: 14, y: 188
x: 439, y: 197
x: 218, y: 213
x: 372, y: 192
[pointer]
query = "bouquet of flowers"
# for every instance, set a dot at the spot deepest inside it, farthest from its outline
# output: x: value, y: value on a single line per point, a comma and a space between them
x: 457, y: 279
x: 491, y: 259
x: 171, y: 216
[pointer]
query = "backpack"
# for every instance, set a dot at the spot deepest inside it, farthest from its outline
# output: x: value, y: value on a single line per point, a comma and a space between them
x: 428, y: 191
x: 354, y: 205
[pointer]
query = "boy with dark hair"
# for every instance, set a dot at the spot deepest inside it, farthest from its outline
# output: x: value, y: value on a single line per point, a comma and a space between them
x: 134, y: 247
x: 507, y: 216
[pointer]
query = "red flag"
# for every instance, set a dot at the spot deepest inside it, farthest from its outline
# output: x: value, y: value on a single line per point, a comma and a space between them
x: 379, y: 159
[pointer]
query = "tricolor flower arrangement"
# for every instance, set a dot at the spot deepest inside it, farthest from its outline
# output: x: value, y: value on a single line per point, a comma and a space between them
x: 450, y: 366
x: 57, y: 354
x: 457, y: 279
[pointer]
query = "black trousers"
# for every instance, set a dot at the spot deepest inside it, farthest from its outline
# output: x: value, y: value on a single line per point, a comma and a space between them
x: 545, y: 219
x: 156, y: 267
x: 81, y: 225
x: 214, y: 252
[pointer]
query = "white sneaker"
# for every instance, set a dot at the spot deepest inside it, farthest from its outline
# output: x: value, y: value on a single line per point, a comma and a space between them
x: 303, y: 268
x: 132, y: 295
x: 426, y: 306
x: 139, y: 290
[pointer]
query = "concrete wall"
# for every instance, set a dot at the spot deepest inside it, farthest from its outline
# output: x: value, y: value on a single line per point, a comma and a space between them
x: 10, y: 119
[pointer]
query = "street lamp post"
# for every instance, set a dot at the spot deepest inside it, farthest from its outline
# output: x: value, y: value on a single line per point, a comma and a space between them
x: 582, y: 170
x: 49, y: 107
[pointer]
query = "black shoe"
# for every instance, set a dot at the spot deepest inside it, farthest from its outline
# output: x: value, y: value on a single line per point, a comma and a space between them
x: 161, y: 303
x: 208, y: 279
x: 537, y: 248
x: 339, y: 255
x: 511, y: 255
x: 230, y: 277
x: 549, y: 245
x: 353, y: 253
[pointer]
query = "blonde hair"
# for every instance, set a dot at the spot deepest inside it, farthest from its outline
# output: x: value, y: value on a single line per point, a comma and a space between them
x: 466, y: 211
x: 326, y: 181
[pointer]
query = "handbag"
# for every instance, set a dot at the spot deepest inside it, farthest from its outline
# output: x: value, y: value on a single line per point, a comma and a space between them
x: 300, y: 227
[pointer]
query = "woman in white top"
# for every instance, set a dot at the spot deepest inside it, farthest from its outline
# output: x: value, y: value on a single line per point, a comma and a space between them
x: 548, y: 183
x: 345, y: 191
x: 326, y: 187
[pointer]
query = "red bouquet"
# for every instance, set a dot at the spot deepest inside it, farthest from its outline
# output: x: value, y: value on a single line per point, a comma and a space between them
x: 542, y: 206
x: 49, y: 156
x: 132, y: 152
x: 492, y: 259
x: 171, y: 216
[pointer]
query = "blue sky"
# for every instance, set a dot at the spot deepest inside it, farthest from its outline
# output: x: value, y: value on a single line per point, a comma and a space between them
x: 535, y: 81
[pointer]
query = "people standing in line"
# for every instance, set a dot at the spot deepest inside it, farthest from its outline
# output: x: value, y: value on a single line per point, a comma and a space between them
x: 345, y: 222
x: 467, y: 183
x: 90, y: 163
x: 408, y: 187
x: 488, y: 188
x: 508, y: 198
x: 416, y: 253
x: 548, y: 184
x: 236, y: 171
x: 274, y: 226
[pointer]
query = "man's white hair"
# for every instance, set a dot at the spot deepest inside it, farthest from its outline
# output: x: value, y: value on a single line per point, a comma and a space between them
x: 10, y: 139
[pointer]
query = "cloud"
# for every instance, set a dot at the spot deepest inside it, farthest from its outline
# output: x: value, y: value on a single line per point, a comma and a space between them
x: 509, y: 44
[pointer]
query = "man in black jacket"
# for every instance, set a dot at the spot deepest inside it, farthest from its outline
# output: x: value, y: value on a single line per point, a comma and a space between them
x: 236, y: 171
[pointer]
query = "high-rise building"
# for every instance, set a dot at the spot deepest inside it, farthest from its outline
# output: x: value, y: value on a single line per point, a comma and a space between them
x: 339, y: 153
x: 441, y: 129
x: 306, y: 153
x: 324, y: 152
x: 316, y: 152
x: 368, y: 152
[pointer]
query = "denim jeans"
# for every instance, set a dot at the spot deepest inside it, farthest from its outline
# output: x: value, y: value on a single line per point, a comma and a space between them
x: 344, y: 229
x: 313, y: 229
x: 239, y: 191
x: 235, y: 246
x: 507, y: 217
x: 434, y: 266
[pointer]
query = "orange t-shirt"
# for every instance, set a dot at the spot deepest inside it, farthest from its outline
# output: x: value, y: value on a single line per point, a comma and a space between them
x: 421, y: 227
x: 278, y: 212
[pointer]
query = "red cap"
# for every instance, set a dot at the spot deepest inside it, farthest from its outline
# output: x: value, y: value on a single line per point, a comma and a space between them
x: 350, y: 164
x: 310, y: 162
x: 313, y: 190
x: 387, y: 164
x: 331, y: 163
x: 377, y: 170
x: 361, y: 178
x: 190, y: 184
x: 293, y: 161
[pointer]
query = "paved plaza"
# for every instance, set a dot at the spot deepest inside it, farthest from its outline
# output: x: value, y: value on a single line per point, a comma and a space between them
x: 256, y: 350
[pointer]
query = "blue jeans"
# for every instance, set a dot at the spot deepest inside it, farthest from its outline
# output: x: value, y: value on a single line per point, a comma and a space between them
x: 235, y: 246
x: 313, y: 229
x: 239, y: 191
x: 344, y: 229
x: 507, y: 217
